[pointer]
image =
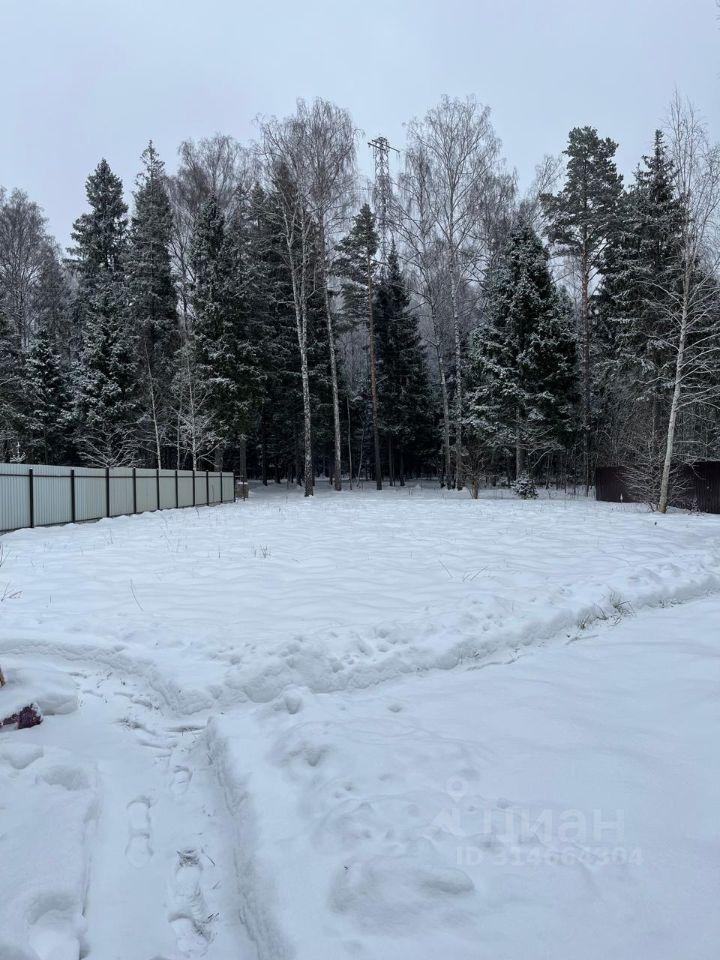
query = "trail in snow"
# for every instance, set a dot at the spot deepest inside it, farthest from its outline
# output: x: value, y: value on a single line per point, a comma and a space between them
x: 161, y: 875
x: 281, y: 734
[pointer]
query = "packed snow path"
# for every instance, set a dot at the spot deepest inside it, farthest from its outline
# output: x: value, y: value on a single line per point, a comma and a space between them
x: 364, y: 726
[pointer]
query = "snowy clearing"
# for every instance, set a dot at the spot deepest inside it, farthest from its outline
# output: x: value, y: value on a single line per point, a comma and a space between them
x: 374, y: 725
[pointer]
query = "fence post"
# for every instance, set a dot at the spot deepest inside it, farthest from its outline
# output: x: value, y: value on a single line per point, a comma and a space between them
x: 107, y: 491
x: 207, y: 487
x: 32, y: 496
x: 73, y: 510
x: 157, y: 484
x: 134, y: 476
x: 193, y: 487
x: 177, y: 490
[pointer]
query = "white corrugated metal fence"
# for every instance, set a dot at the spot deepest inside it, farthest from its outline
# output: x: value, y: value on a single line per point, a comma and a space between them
x: 34, y: 495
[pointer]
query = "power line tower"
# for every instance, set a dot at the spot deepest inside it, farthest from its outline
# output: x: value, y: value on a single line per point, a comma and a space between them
x: 382, y: 191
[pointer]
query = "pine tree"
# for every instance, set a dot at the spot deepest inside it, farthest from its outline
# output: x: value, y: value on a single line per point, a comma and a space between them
x: 208, y: 296
x: 47, y: 407
x: 358, y: 265
x: 152, y: 299
x: 241, y: 342
x: 583, y: 218
x: 11, y: 385
x: 646, y: 268
x: 52, y: 305
x: 106, y: 405
x: 269, y: 297
x: 522, y: 367
x: 405, y: 403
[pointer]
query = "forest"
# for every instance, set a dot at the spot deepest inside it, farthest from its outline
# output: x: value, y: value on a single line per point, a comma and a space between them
x: 266, y: 308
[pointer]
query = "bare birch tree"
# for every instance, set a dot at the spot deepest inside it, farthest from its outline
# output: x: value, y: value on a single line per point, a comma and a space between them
x: 285, y: 154
x: 462, y: 151
x: 694, y: 306
x: 414, y: 222
x: 329, y: 148
x: 23, y: 249
x: 216, y: 166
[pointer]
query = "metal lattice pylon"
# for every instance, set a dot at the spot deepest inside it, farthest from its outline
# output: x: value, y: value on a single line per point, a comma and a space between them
x: 382, y: 191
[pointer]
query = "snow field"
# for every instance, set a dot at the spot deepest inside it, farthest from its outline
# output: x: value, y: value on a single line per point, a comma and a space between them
x: 327, y: 729
x: 237, y: 603
x: 556, y: 804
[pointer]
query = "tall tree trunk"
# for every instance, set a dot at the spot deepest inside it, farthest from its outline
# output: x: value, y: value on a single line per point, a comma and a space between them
x: 458, y: 372
x: 519, y: 450
x: 337, y: 470
x: 263, y: 449
x: 307, y: 421
x: 446, y: 416
x: 349, y: 440
x: 153, y: 409
x: 373, y: 377
x: 674, y: 407
x: 242, y: 451
x: 301, y: 324
x: 587, y: 382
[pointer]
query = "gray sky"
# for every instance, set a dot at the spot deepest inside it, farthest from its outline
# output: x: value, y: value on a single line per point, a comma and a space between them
x: 81, y: 79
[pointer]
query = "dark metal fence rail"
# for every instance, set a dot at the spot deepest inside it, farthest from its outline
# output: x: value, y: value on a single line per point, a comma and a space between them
x: 40, y: 495
x: 700, y: 486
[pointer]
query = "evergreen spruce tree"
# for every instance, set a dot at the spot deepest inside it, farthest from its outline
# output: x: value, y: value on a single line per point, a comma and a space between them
x: 106, y: 402
x: 11, y: 391
x: 582, y: 221
x: 152, y: 300
x: 644, y: 270
x: 52, y: 305
x: 47, y: 406
x: 210, y: 270
x: 358, y: 266
x: 240, y: 368
x: 522, y: 368
x: 280, y: 427
x: 405, y: 403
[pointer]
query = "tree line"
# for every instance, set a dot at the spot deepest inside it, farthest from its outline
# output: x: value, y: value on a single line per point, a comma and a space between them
x: 264, y: 309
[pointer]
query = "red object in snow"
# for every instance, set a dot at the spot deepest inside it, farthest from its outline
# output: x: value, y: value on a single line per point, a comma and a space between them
x: 29, y: 716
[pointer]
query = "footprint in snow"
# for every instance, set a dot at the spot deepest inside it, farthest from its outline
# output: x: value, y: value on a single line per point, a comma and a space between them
x: 138, y: 849
x: 189, y: 917
x: 181, y: 780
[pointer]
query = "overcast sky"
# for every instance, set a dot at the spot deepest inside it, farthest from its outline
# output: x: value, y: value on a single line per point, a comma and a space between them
x: 81, y: 79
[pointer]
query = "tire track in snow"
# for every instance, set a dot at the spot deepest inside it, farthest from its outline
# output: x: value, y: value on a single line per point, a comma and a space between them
x: 162, y: 884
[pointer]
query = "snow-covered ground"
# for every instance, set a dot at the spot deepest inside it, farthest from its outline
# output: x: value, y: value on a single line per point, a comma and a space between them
x: 384, y: 726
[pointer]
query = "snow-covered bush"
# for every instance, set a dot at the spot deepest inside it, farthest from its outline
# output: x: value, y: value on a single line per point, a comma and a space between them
x: 524, y: 487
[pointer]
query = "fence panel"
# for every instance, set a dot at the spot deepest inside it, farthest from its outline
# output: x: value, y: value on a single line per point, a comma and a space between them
x: 90, y: 493
x: 167, y: 489
x: 121, y: 491
x: 706, y: 477
x: 200, y: 488
x: 52, y: 495
x: 185, y: 487
x: 14, y: 496
x: 215, y: 488
x: 40, y: 495
x: 700, y: 486
x: 611, y: 485
x: 147, y: 493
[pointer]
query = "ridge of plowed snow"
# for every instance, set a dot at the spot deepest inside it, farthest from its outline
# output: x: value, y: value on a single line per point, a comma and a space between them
x: 238, y: 603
